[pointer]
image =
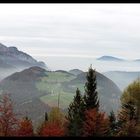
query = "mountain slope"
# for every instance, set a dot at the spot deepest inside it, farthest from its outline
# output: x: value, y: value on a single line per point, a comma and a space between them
x: 21, y: 85
x: 13, y: 60
x: 22, y: 89
x: 37, y: 89
x: 122, y: 78
x: 109, y: 93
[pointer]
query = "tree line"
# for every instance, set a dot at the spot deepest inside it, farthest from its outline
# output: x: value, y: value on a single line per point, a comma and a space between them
x: 83, y: 118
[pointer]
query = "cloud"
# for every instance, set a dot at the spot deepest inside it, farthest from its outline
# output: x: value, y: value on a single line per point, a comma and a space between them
x: 72, y: 29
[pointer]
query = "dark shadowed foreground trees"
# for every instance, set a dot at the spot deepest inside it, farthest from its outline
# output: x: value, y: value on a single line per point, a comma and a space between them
x: 75, y: 115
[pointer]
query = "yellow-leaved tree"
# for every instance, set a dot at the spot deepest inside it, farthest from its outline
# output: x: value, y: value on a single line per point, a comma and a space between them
x: 129, y: 114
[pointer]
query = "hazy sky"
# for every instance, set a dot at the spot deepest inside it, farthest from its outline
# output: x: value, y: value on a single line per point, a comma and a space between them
x: 72, y: 30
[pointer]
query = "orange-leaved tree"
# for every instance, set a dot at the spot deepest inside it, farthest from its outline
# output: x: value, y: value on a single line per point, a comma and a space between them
x: 54, y: 125
x: 52, y: 129
x: 25, y: 127
x: 96, y: 123
x: 8, y: 120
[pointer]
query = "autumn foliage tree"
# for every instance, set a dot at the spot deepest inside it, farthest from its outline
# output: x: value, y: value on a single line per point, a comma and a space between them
x: 25, y: 127
x: 8, y: 120
x: 127, y: 120
x: 52, y: 129
x: 96, y: 123
x: 53, y: 125
x: 131, y: 98
x: 56, y: 116
x: 128, y: 117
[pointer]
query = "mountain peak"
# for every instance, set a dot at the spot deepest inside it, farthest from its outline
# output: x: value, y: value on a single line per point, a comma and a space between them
x: 3, y: 48
x: 75, y: 71
x: 11, y: 55
x: 2, y: 45
x: 12, y: 48
x: 29, y: 74
x: 109, y: 58
x: 35, y: 69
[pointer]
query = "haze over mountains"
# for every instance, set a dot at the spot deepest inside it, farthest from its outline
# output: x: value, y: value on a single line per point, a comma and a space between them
x: 122, y: 78
x: 35, y: 89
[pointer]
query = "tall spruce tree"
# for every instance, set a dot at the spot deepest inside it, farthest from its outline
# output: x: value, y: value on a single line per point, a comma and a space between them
x: 75, y: 115
x: 91, y: 95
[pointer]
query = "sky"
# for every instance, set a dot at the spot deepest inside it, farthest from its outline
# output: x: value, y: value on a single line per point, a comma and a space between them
x: 72, y: 32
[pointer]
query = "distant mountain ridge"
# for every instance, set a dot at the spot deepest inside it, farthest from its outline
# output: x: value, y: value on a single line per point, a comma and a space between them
x: 112, y: 58
x: 13, y: 60
x: 109, y: 58
x: 75, y: 71
x: 12, y: 54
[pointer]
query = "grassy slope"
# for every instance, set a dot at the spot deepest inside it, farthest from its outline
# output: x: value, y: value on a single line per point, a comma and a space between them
x: 65, y: 85
x: 53, y: 84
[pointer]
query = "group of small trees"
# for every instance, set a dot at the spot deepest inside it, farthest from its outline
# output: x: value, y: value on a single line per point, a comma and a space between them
x: 86, y: 119
x: 83, y: 117
x: 11, y: 125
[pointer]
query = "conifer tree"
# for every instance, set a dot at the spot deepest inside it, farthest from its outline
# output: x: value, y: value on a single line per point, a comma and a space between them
x: 75, y: 115
x: 91, y: 95
x: 113, y: 123
x: 46, y: 116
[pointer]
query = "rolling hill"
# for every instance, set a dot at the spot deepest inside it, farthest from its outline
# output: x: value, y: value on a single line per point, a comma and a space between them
x: 38, y: 89
x: 75, y: 71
